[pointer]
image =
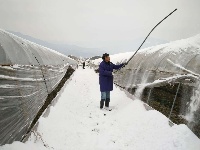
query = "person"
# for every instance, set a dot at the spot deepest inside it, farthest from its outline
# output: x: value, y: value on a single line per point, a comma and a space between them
x: 83, y: 65
x: 106, y: 79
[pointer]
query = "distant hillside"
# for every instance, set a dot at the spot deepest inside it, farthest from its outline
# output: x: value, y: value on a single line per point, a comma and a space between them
x: 95, y: 57
x: 74, y: 57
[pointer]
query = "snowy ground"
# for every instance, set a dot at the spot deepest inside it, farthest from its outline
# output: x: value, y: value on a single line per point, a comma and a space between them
x: 76, y: 122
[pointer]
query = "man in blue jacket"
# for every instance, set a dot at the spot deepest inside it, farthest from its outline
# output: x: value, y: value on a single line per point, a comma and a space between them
x: 106, y: 79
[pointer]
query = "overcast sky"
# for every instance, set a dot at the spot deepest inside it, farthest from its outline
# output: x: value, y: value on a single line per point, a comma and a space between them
x: 93, y: 23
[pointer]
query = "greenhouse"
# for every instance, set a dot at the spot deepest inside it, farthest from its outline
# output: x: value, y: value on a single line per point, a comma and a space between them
x: 28, y: 74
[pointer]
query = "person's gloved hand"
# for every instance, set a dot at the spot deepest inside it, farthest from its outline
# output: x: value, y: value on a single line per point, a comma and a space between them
x: 124, y: 64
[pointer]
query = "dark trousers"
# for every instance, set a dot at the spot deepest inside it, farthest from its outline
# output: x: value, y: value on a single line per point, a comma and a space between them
x: 105, y: 97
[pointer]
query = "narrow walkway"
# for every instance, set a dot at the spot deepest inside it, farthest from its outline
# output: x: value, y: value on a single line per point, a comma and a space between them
x: 77, y: 123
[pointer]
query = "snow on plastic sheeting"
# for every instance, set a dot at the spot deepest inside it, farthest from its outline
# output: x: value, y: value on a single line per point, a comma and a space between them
x: 28, y: 73
x: 177, y: 61
x: 154, y: 62
x: 116, y: 58
x: 14, y: 48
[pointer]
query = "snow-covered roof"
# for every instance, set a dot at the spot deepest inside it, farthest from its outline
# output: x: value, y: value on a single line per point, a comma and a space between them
x: 116, y: 58
x: 15, y: 50
x: 166, y: 57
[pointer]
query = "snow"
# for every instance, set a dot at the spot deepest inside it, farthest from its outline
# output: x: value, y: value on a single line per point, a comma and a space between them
x: 74, y: 121
x: 194, y: 104
x: 116, y: 58
x: 29, y: 79
x: 181, y: 67
x: 21, y: 146
x: 32, y: 43
x: 175, y: 48
x: 169, y: 79
x: 15, y: 86
x: 20, y: 79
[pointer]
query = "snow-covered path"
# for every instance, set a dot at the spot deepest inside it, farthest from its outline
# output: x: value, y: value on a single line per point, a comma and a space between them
x: 76, y: 122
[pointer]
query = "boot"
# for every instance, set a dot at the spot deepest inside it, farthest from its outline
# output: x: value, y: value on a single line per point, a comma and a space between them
x: 107, y: 103
x: 101, y: 104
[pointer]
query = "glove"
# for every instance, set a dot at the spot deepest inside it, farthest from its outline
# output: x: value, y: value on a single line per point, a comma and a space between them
x: 124, y: 64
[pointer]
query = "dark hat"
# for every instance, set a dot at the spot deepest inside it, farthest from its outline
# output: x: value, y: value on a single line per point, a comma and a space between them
x: 105, y: 55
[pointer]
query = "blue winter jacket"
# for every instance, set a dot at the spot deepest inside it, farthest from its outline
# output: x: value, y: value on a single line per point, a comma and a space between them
x: 105, y: 75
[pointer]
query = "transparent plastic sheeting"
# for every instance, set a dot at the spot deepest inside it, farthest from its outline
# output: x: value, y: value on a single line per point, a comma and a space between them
x: 28, y: 73
x: 166, y: 60
x: 158, y: 66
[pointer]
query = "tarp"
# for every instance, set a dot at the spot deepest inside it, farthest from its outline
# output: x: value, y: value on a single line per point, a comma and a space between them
x: 159, y: 70
x: 166, y: 60
x: 28, y: 73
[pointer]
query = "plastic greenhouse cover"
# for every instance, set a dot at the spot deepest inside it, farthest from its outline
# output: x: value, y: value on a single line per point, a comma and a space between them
x: 28, y: 73
x: 161, y: 61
